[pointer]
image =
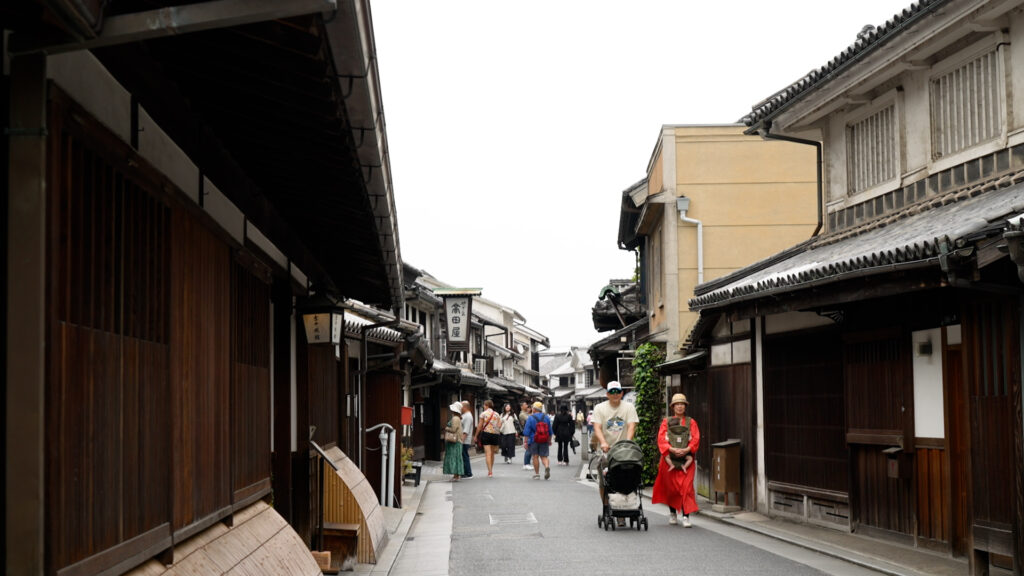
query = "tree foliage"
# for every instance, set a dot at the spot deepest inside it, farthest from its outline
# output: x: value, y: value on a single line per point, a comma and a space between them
x: 650, y: 392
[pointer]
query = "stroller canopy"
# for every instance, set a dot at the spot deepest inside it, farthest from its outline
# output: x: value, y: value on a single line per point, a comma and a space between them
x: 625, y: 465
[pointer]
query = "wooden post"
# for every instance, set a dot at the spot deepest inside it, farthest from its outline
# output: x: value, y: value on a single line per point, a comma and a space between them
x: 26, y: 317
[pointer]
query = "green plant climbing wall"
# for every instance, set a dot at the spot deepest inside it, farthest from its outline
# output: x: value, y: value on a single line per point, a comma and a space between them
x: 650, y: 392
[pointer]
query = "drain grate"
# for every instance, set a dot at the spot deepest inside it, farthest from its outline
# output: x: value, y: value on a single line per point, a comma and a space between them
x: 511, y: 519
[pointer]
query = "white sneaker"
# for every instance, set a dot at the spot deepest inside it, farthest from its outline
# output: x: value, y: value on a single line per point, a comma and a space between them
x: 686, y: 522
x: 673, y: 519
x: 527, y: 467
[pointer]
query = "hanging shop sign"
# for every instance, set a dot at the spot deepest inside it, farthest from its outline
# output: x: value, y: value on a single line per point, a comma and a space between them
x: 458, y: 309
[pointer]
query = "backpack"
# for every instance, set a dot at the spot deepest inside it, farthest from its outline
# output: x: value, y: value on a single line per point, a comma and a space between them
x: 542, y: 433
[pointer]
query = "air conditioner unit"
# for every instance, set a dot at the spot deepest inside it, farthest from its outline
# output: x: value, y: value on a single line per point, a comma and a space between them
x: 480, y: 366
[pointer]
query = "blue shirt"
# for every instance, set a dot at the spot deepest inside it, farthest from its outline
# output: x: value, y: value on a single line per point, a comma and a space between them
x: 531, y: 425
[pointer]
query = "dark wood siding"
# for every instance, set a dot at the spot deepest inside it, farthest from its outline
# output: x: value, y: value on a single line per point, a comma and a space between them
x: 931, y: 477
x: 158, y: 358
x: 991, y: 356
x: 695, y: 386
x: 878, y: 379
x: 805, y: 430
x: 732, y: 400
x: 250, y: 386
x: 108, y: 473
x: 200, y: 371
x: 323, y: 394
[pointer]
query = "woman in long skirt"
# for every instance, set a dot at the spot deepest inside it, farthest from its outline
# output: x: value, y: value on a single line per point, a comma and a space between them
x: 508, y: 434
x: 453, y: 448
x: 674, y: 484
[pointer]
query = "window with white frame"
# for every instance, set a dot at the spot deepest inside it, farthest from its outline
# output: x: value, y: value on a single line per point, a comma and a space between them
x: 966, y: 107
x: 872, y: 150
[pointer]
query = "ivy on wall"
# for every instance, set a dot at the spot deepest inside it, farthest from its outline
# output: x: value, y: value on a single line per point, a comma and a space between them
x: 650, y: 392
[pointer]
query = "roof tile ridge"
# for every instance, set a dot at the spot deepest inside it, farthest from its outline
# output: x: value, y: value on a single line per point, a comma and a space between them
x: 923, y: 205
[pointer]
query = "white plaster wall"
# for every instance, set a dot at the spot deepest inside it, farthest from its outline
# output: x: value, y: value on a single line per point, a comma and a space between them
x: 1015, y: 74
x: 792, y: 321
x: 917, y: 140
x: 162, y: 152
x: 82, y: 76
x: 223, y: 211
x: 835, y: 158
x: 929, y: 408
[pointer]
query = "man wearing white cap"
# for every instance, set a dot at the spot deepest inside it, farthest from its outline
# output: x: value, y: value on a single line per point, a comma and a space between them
x: 614, y: 420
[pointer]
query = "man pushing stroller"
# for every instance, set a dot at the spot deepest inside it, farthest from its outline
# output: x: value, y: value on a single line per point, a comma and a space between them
x: 614, y: 420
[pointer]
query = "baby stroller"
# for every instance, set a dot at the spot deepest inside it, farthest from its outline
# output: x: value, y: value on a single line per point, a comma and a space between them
x: 622, y: 482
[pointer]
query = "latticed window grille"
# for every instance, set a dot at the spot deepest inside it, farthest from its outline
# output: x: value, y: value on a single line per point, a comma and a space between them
x: 965, y: 106
x: 871, y: 150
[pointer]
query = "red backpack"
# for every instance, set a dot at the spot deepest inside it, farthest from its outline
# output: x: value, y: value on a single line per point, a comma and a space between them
x: 542, y: 433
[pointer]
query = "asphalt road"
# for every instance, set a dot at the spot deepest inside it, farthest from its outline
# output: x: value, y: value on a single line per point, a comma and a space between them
x: 512, y: 524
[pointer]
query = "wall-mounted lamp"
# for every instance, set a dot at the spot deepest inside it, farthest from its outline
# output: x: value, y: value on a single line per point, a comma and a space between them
x: 924, y: 348
x: 323, y: 319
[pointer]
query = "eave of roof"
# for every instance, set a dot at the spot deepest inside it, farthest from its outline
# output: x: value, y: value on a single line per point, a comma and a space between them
x: 915, y: 237
x: 263, y: 109
x: 865, y: 44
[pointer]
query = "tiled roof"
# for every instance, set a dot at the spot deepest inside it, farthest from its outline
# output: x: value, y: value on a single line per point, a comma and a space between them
x: 916, y: 236
x: 866, y: 42
x: 354, y: 324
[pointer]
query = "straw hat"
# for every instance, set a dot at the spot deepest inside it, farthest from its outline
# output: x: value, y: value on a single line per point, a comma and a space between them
x: 678, y: 399
x: 456, y: 407
x: 538, y: 406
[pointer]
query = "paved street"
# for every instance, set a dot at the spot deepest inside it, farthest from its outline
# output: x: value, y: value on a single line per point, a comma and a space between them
x: 511, y: 523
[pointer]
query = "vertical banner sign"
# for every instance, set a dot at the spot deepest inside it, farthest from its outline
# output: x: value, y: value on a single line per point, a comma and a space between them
x: 457, y: 311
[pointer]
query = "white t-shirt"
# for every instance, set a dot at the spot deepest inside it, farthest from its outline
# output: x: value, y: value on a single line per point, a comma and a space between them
x: 613, y: 421
x: 467, y: 428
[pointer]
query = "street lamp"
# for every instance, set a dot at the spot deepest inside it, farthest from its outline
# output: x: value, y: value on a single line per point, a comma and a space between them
x: 323, y: 318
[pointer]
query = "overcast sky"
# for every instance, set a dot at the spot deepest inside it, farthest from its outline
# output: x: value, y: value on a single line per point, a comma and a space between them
x: 515, y: 126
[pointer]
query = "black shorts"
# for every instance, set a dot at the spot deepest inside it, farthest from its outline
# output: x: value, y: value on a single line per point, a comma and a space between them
x: 488, y: 439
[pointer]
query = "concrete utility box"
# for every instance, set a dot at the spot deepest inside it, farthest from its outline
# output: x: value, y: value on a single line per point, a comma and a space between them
x: 725, y: 473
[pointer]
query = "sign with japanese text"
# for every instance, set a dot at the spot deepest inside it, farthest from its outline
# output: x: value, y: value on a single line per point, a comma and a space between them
x: 457, y: 314
x: 323, y: 328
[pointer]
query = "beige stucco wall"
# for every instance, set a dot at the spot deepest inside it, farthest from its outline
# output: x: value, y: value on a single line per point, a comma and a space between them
x: 754, y: 197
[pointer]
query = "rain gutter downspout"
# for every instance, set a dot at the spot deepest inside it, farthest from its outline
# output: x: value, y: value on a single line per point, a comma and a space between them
x: 765, y: 133
x: 683, y: 204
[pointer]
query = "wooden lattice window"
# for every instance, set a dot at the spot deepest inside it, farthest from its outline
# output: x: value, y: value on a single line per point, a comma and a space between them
x: 966, y: 106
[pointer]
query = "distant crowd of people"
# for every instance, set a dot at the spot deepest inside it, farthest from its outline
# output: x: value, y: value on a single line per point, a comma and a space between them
x: 609, y: 422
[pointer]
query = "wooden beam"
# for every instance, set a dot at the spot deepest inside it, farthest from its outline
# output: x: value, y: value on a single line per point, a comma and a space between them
x: 174, y: 20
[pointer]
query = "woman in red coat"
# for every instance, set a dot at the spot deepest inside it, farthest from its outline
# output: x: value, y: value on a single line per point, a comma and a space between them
x: 674, y: 484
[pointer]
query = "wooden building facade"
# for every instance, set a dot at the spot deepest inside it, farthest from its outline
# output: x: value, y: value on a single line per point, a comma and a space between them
x: 873, y: 371
x: 170, y: 205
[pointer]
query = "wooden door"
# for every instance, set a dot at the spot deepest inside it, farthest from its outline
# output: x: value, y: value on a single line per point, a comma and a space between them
x: 878, y: 394
x: 991, y: 355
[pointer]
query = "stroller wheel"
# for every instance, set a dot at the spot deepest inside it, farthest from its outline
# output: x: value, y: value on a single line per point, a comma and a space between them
x: 600, y: 521
x: 645, y: 524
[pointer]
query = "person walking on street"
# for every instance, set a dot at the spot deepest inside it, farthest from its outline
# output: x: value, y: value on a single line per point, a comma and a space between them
x: 613, y: 420
x: 564, y: 432
x: 579, y: 419
x: 488, y: 431
x: 453, y: 443
x: 508, y: 433
x: 467, y: 437
x: 524, y: 413
x: 674, y: 485
x: 537, y: 440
